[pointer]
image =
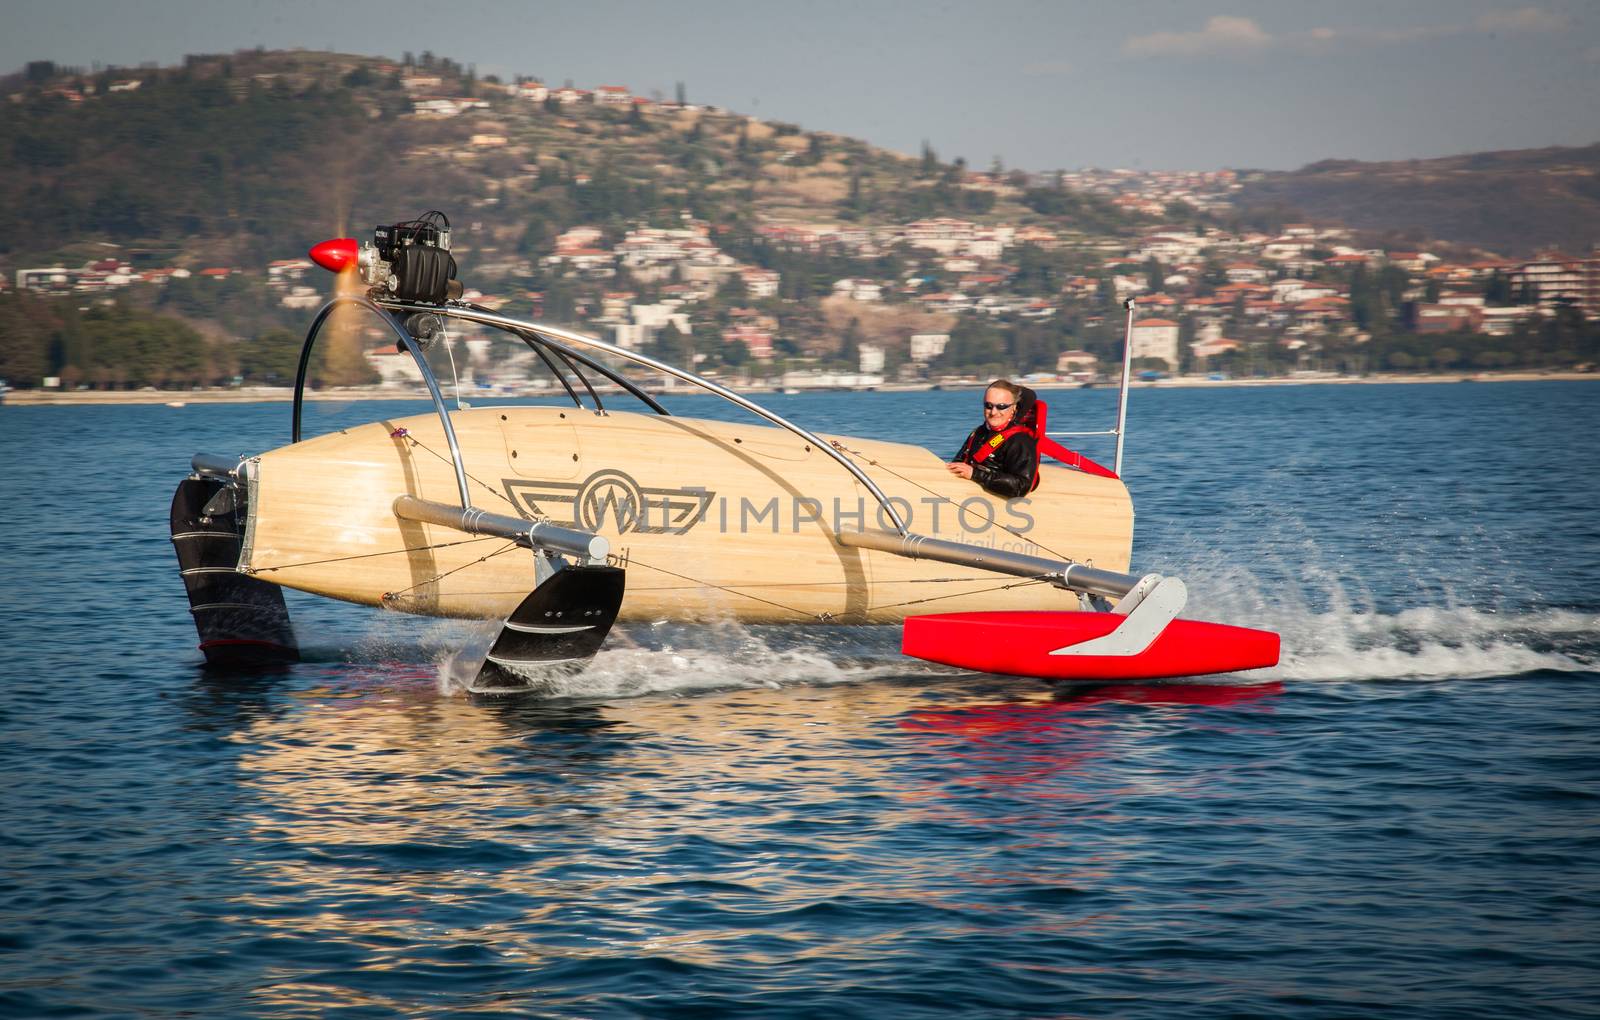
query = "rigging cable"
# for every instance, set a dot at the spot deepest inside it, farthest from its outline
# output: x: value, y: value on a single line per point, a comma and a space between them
x: 366, y: 556
x: 391, y: 596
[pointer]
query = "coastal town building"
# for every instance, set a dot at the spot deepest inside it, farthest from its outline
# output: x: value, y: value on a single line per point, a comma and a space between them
x: 1071, y: 361
x: 1155, y: 338
x: 1214, y: 347
x: 1439, y: 318
x: 1554, y: 276
x: 925, y: 347
x: 756, y: 339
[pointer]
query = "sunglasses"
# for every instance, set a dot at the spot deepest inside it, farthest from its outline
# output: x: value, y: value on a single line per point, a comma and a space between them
x: 995, y: 407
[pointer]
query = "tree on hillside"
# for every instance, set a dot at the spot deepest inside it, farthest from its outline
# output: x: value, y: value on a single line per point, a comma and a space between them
x: 28, y: 330
x: 854, y: 204
x: 815, y: 153
x: 675, y: 346
x: 1155, y: 277
x: 271, y: 358
x: 850, y: 344
x: 974, y: 345
x: 733, y: 353
x: 118, y: 346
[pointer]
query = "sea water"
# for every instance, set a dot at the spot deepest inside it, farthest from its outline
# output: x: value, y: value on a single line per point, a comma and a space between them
x: 1403, y: 819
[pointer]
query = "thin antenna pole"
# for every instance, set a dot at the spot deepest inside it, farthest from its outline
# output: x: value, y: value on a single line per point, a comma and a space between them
x: 1122, y: 398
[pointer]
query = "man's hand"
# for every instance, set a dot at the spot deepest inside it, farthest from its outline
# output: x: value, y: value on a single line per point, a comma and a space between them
x: 961, y: 469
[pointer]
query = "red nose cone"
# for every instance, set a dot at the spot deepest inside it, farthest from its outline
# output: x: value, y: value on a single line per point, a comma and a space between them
x: 336, y: 255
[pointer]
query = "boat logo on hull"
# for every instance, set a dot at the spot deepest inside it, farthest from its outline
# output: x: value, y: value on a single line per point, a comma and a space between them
x: 612, y: 500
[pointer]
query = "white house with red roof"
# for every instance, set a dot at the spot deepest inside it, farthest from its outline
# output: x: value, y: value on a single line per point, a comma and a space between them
x: 584, y: 259
x: 756, y: 339
x: 1039, y: 236
x: 1280, y: 248
x: 1127, y: 285
x: 1346, y: 260
x: 1246, y: 272
x: 1076, y: 360
x: 986, y: 245
x: 1214, y: 346
x: 1412, y: 261
x: 579, y: 237
x: 1155, y: 338
x: 1293, y: 291
x: 760, y: 283
x: 1556, y: 276
x: 942, y: 234
x: 859, y: 289
x: 1169, y: 247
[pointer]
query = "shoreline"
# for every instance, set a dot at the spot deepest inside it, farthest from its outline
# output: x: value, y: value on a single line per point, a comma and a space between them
x: 278, y: 394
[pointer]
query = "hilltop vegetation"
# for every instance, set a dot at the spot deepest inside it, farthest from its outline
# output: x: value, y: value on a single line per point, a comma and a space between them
x: 253, y: 155
x: 1514, y: 203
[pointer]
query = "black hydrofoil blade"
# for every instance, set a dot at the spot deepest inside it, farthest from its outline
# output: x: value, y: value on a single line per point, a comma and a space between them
x: 556, y: 629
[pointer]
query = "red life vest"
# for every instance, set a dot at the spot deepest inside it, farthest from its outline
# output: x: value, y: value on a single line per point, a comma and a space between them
x: 1034, y: 425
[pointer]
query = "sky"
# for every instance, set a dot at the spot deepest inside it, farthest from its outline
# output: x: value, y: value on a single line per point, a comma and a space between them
x: 1149, y: 84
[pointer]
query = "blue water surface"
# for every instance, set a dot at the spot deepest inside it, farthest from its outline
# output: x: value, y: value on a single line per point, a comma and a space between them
x: 1401, y: 820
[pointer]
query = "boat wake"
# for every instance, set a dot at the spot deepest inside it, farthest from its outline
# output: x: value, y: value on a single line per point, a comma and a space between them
x: 1438, y: 644
x: 1328, y: 641
x: 679, y: 658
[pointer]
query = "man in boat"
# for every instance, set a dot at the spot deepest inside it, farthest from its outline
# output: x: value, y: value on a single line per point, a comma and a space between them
x: 1002, y: 454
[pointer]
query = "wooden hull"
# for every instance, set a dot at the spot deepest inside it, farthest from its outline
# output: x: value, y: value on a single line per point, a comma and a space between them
x: 710, y: 519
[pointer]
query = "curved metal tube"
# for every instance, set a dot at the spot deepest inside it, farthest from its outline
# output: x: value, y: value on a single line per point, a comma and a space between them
x: 557, y: 374
x: 305, y: 360
x: 1061, y: 573
x: 528, y: 534
x: 588, y: 362
x: 599, y: 406
x: 514, y: 325
x: 406, y: 344
x: 444, y: 413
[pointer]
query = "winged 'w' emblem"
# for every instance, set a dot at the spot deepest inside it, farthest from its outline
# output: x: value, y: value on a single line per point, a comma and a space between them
x: 610, y: 500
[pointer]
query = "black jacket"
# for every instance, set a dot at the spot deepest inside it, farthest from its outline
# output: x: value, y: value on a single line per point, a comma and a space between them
x: 1007, y: 472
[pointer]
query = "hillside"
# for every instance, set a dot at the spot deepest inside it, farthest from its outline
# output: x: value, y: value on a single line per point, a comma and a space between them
x: 245, y: 157
x: 154, y: 223
x: 1513, y: 203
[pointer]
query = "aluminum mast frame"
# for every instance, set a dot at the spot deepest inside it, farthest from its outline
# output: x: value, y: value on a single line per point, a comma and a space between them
x: 407, y: 343
x: 556, y: 340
